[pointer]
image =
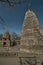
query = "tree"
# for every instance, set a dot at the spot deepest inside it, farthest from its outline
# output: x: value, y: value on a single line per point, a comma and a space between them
x: 13, y: 2
x: 14, y: 38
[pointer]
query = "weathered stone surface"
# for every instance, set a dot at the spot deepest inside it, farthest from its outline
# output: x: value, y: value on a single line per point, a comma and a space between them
x: 31, y: 38
x: 6, y: 41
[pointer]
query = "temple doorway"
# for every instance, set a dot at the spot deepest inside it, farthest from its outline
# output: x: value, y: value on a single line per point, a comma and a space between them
x: 41, y: 63
x: 4, y: 43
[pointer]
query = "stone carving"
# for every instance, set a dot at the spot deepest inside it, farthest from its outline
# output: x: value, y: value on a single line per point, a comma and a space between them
x: 6, y: 39
x: 31, y: 32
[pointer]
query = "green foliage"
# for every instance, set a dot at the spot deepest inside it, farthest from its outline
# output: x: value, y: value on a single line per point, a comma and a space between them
x: 14, y: 37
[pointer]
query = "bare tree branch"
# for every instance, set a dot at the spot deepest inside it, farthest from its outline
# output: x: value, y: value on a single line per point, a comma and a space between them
x: 15, y: 2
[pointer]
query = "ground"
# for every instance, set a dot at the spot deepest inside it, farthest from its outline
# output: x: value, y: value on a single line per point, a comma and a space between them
x: 9, y: 61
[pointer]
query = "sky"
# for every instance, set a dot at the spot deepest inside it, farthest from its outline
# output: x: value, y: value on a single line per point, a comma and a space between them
x: 14, y: 16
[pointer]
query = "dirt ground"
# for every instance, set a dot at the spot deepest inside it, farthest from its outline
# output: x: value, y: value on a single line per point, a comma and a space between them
x: 9, y: 61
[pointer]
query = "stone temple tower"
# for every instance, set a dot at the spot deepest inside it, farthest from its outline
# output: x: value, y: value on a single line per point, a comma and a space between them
x: 31, y: 32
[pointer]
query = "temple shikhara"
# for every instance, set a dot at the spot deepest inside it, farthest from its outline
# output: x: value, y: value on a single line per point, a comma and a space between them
x: 31, y: 43
x: 5, y: 41
x: 31, y: 36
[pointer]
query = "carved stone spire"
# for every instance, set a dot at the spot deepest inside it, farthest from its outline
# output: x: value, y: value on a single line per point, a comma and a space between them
x: 30, y: 31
